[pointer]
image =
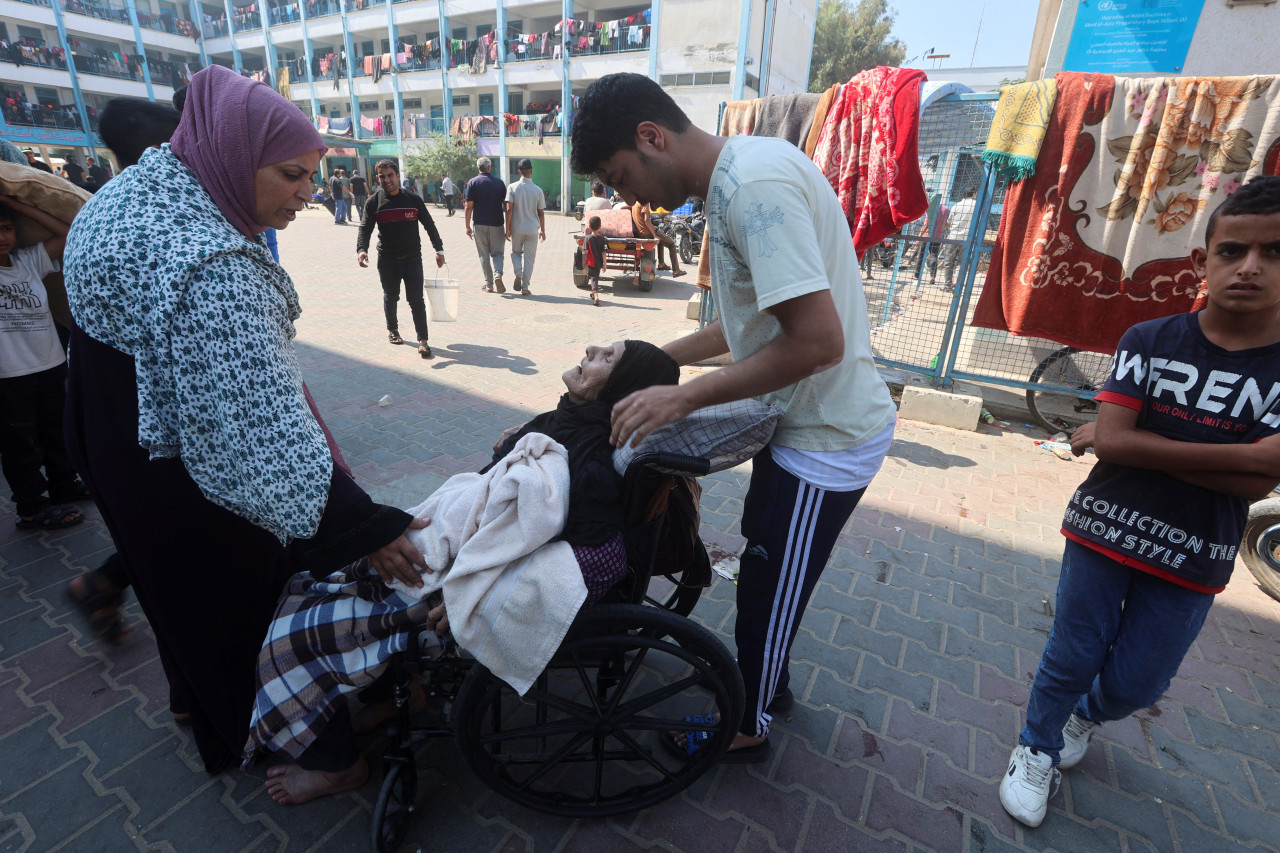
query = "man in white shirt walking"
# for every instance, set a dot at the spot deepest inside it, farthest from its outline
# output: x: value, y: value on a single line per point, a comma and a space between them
x: 446, y: 189
x: 526, y: 223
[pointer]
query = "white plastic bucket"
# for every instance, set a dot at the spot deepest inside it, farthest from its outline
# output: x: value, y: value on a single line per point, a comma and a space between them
x: 442, y: 300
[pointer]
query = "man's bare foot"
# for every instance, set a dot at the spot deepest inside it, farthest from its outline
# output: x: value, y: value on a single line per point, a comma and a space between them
x: 289, y: 784
x: 370, y: 717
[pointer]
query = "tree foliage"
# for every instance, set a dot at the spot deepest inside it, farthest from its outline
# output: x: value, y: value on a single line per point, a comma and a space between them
x: 851, y: 37
x: 437, y: 155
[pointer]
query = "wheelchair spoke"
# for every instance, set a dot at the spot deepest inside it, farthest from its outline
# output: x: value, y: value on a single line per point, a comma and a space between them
x: 554, y: 761
x: 655, y: 696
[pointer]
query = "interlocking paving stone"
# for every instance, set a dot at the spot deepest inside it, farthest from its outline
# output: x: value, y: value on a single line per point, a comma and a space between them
x: 938, y: 595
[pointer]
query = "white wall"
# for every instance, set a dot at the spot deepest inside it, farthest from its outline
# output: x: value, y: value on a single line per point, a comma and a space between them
x: 1234, y: 41
x: 698, y: 35
x: 793, y: 23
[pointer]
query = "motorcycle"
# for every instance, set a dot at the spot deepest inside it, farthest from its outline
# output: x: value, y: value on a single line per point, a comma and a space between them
x: 687, y: 232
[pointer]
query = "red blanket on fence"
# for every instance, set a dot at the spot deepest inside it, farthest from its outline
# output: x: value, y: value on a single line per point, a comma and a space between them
x: 1130, y: 171
x: 867, y: 150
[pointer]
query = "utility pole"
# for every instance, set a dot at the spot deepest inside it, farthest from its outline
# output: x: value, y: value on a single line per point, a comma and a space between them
x: 977, y: 34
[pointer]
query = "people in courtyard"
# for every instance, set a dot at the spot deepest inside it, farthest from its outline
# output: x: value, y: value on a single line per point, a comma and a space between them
x: 485, y: 221
x: 643, y: 225
x: 305, y: 667
x: 187, y: 416
x: 33, y: 374
x: 526, y: 224
x: 398, y: 213
x: 1184, y: 440
x: 447, y: 190
x: 597, y: 202
x: 339, y: 196
x: 593, y: 255
x: 792, y: 313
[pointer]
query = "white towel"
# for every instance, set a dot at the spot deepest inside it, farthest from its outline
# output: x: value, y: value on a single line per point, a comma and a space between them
x: 510, y: 595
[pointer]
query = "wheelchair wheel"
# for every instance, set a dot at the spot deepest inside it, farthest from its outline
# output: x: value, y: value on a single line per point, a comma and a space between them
x: 1260, y: 545
x: 1071, y: 378
x: 394, y: 809
x: 585, y: 740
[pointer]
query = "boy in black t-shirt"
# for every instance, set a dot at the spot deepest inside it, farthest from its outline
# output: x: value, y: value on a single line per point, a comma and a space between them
x: 1186, y: 436
x: 594, y: 246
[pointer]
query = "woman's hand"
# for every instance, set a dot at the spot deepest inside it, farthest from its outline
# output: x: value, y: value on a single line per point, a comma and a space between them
x: 510, y: 431
x: 400, y: 560
x: 1082, y: 438
x: 438, y: 620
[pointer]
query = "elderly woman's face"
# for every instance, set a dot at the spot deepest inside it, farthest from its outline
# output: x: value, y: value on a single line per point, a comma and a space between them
x: 586, y: 380
x: 282, y: 189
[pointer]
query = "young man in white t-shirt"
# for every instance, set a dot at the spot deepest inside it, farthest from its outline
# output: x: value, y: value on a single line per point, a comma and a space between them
x: 33, y: 376
x: 793, y: 314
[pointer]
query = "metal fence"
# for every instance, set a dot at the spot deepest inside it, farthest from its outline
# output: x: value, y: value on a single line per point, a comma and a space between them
x: 923, y: 284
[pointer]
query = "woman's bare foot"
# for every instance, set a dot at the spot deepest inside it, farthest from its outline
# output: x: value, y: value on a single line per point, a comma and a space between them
x: 289, y: 784
x: 370, y: 717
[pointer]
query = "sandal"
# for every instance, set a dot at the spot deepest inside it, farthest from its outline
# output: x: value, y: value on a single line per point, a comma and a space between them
x: 99, y: 602
x: 393, y: 337
x: 663, y: 269
x: 51, y: 518
x: 424, y: 350
x: 488, y: 288
x: 695, y: 739
x: 679, y: 273
x: 595, y: 299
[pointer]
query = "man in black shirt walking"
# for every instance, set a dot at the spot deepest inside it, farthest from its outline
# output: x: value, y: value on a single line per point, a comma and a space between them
x: 359, y: 192
x: 397, y: 214
x: 340, y: 212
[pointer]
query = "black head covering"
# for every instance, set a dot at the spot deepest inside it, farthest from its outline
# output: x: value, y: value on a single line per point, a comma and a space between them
x: 595, y: 497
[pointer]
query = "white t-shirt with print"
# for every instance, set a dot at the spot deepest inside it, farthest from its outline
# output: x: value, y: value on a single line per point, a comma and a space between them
x: 28, y: 341
x: 776, y: 232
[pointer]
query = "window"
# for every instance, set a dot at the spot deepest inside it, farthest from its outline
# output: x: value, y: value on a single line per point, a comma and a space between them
x: 486, y: 105
x: 753, y: 82
x: 698, y: 78
x: 290, y: 56
x: 413, y: 103
x: 684, y: 79
x: 386, y: 46
x: 720, y: 78
x: 515, y: 102
x: 368, y: 106
x: 459, y: 33
x: 31, y: 34
x: 48, y: 97
x: 483, y: 29
x: 389, y: 105
x: 409, y: 38
x: 366, y: 48
x: 431, y: 36
x: 515, y: 28
x: 462, y: 100
x: 168, y: 9
x: 322, y: 109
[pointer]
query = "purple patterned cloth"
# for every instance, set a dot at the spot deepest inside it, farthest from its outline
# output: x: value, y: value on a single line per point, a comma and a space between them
x: 602, y: 566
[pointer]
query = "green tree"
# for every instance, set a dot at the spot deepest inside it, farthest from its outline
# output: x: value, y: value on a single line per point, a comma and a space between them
x: 430, y: 158
x: 852, y: 37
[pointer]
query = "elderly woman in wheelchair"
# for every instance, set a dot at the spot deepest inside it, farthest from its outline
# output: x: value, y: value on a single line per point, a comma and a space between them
x: 514, y: 551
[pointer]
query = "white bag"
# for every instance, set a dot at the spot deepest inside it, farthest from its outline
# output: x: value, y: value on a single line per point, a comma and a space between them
x: 442, y: 298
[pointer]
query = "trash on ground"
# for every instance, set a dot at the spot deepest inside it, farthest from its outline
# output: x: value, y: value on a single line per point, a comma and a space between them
x: 1059, y: 449
x: 726, y: 567
x: 384, y: 400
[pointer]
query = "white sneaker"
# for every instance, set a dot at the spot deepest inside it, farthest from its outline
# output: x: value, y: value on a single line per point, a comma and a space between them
x: 1075, y: 741
x: 1024, y: 790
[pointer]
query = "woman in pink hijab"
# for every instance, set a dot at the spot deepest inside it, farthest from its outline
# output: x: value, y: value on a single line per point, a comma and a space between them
x: 186, y: 414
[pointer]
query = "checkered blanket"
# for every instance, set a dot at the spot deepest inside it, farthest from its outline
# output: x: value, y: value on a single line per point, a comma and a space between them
x: 328, y: 638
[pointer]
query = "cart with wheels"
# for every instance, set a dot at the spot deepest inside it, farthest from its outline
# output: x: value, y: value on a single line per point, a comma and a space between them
x: 585, y: 740
x: 635, y: 257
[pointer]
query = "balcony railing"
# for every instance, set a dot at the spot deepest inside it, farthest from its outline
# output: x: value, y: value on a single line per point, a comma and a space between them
x: 167, y: 24
x: 105, y: 67
x: 285, y: 14
x: 98, y: 9
x: 245, y: 21
x: 526, y: 125
x: 64, y: 117
x: 41, y: 57
x: 322, y: 8
x: 213, y: 29
x: 35, y: 2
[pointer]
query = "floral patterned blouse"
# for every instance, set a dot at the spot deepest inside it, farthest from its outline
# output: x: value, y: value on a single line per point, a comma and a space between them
x: 154, y: 269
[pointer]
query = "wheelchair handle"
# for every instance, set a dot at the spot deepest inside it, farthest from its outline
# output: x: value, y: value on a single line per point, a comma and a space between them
x: 696, y: 466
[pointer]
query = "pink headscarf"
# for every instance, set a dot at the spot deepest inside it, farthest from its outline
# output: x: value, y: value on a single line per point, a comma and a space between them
x: 232, y: 126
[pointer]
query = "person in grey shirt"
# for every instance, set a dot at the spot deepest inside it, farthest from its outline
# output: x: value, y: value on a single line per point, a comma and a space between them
x: 526, y: 223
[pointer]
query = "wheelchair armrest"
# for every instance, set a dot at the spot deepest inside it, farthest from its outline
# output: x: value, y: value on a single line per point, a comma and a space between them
x: 678, y: 463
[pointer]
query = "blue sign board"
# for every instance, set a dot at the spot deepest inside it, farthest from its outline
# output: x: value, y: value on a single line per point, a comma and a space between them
x: 1132, y: 36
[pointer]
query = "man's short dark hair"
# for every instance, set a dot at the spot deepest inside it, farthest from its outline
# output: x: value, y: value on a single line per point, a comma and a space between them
x: 387, y: 164
x: 597, y: 188
x: 609, y: 113
x: 594, y: 223
x: 130, y: 126
x: 6, y: 212
x: 1259, y: 197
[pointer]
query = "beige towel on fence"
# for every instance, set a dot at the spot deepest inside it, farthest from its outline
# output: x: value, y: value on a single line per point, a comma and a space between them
x: 510, y: 595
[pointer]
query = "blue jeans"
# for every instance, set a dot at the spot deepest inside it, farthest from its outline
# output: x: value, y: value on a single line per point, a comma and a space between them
x: 1118, y: 638
x: 340, y: 210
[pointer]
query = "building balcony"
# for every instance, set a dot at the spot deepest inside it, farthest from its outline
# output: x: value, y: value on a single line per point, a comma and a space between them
x: 63, y: 117
x: 245, y: 21
x: 98, y: 9
x: 284, y: 14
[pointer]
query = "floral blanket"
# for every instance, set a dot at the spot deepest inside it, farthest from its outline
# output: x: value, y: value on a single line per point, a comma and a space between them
x: 867, y: 150
x: 1130, y: 171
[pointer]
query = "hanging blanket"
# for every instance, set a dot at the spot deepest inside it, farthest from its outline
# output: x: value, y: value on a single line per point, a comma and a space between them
x: 739, y: 117
x: 1129, y: 173
x: 1017, y: 132
x: 867, y: 150
x: 787, y: 117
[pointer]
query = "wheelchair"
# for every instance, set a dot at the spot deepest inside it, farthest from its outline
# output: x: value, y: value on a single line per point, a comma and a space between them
x: 585, y: 740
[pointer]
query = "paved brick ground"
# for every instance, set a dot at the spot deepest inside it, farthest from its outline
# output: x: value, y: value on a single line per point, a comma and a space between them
x: 911, y: 667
